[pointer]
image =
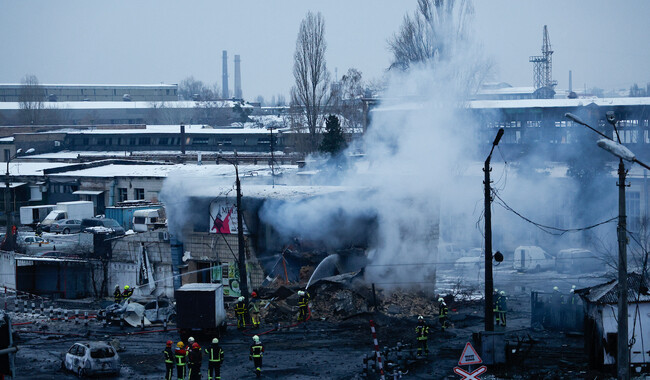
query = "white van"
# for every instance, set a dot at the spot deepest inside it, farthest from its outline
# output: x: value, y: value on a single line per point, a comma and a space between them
x: 531, y: 258
x: 147, y: 219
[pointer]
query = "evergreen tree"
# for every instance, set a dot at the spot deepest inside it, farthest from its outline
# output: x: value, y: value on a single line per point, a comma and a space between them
x: 333, y: 138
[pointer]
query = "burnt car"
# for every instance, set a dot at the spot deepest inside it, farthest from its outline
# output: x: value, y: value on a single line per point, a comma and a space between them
x: 91, y: 358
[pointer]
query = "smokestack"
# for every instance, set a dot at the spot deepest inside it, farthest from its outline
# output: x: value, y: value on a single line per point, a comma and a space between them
x: 182, y: 138
x: 570, y: 82
x: 224, y: 75
x: 238, y: 94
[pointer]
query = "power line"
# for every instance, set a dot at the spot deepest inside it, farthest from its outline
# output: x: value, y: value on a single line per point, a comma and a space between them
x: 548, y: 229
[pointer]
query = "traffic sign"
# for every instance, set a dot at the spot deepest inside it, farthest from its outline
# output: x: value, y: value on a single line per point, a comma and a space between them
x: 469, y: 356
x: 470, y: 375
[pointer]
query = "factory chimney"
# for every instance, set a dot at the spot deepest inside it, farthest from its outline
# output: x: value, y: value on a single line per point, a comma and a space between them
x: 238, y: 94
x: 224, y: 75
x: 570, y: 82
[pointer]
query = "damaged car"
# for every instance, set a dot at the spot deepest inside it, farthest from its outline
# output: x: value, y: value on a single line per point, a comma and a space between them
x: 133, y: 312
x: 91, y: 358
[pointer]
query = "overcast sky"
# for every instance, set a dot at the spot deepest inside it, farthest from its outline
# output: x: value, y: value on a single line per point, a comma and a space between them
x: 604, y: 42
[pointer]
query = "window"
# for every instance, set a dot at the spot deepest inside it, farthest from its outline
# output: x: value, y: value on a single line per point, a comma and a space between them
x: 122, y: 194
x: 201, y: 141
x: 263, y: 141
x: 7, y: 155
x: 225, y: 141
x: 144, y: 141
x: 138, y: 193
x: 163, y: 141
x: 633, y: 206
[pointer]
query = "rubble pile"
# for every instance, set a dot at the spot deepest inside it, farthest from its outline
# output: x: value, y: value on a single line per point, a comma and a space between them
x: 338, y: 304
x: 406, y: 305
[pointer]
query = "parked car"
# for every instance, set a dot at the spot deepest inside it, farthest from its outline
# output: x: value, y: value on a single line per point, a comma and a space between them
x: 160, y: 310
x: 88, y: 223
x: 531, y: 258
x: 578, y: 260
x: 91, y: 358
x: 31, y: 240
x: 475, y: 260
x: 66, y: 226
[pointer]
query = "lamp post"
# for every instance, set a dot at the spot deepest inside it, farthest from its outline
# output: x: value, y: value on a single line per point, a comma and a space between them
x: 489, y: 282
x: 623, y: 153
x: 9, y: 240
x: 243, y: 282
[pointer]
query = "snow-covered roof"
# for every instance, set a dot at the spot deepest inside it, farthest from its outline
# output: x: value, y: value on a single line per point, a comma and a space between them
x: 31, y: 168
x: 7, y: 139
x: 66, y: 155
x: 507, y: 90
x: 267, y: 191
x: 637, y: 286
x: 522, y: 103
x: 132, y: 105
x: 93, y: 85
x: 163, y: 171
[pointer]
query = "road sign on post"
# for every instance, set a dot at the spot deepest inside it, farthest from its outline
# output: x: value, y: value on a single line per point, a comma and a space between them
x: 466, y: 375
x: 469, y: 356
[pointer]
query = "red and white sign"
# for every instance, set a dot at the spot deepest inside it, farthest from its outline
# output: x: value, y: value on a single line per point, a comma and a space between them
x: 469, y: 356
x: 466, y: 375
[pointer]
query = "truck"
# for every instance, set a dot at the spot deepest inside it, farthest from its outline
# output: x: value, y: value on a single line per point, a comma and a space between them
x: 200, y: 310
x: 148, y: 219
x: 532, y: 258
x: 33, y: 215
x: 124, y: 213
x: 68, y: 210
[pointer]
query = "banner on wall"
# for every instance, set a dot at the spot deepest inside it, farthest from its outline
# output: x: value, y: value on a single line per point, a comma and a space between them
x: 223, y: 218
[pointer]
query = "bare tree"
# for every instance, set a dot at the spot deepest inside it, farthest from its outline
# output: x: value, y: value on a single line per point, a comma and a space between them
x: 194, y: 89
x: 310, y: 71
x: 30, y: 97
x: 346, y: 100
x: 431, y: 33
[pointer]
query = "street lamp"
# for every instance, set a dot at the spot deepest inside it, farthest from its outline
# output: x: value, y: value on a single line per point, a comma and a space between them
x: 489, y: 282
x: 9, y: 239
x: 243, y: 282
x: 623, y: 153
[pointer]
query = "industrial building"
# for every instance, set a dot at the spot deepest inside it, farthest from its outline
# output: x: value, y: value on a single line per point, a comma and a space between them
x: 93, y: 92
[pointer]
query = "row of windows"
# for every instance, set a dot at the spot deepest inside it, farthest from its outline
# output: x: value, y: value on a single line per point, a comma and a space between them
x: 173, y: 141
x: 123, y: 194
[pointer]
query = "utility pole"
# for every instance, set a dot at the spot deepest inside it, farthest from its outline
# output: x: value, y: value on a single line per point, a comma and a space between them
x: 9, y: 241
x: 243, y: 278
x: 489, y: 282
x: 623, y: 357
x: 272, y: 159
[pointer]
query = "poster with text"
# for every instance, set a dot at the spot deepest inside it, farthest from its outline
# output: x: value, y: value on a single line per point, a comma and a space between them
x: 223, y: 218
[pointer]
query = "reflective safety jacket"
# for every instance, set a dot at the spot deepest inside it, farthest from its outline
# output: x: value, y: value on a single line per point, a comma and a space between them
x: 443, y: 310
x: 181, y: 357
x: 257, y: 350
x: 215, y: 353
x: 127, y: 293
x: 253, y: 307
x: 169, y: 355
x: 303, y: 300
x: 422, y: 331
x: 117, y: 295
x: 502, y: 303
x: 240, y: 307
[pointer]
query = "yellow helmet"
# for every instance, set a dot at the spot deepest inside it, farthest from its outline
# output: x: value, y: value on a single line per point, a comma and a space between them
x: 180, y: 344
x: 126, y: 287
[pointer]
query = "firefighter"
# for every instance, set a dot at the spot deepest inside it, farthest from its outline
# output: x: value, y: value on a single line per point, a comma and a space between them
x: 256, y: 353
x: 169, y: 360
x: 254, y: 310
x: 501, y: 308
x: 443, y: 312
x: 240, y: 310
x: 190, y: 342
x: 422, y: 334
x: 195, y: 359
x: 117, y: 294
x: 215, y: 358
x: 572, y: 295
x: 180, y: 355
x: 127, y: 293
x: 303, y: 303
